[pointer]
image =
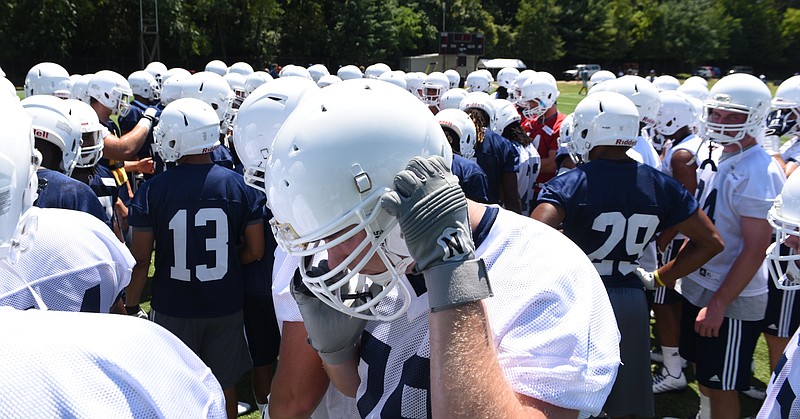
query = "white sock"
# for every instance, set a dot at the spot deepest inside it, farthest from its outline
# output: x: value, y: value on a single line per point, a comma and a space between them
x: 672, y: 360
x: 705, y: 407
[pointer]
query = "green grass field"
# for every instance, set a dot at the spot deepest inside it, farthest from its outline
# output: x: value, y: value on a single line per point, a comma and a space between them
x: 677, y: 404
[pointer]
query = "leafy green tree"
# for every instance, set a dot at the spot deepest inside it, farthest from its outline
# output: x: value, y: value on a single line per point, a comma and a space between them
x: 304, y: 30
x: 362, y: 31
x: 754, y: 30
x: 38, y: 28
x: 790, y: 32
x: 537, y: 38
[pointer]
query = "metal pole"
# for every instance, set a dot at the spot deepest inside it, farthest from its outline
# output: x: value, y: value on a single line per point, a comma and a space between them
x: 443, y: 14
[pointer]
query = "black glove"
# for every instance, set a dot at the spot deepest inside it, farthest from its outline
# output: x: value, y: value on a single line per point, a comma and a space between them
x: 136, y: 311
x: 778, y: 122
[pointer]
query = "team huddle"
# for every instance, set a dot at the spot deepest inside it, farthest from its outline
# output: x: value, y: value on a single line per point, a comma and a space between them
x: 377, y: 243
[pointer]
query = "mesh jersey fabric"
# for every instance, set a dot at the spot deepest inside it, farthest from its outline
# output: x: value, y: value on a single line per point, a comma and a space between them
x: 87, y: 365
x: 745, y: 185
x: 782, y: 401
x: 76, y: 263
x: 552, y: 323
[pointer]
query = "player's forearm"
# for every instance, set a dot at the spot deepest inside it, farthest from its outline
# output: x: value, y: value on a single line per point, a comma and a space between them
x: 345, y: 376
x: 739, y: 276
x: 466, y: 378
x: 125, y: 147
x: 133, y: 292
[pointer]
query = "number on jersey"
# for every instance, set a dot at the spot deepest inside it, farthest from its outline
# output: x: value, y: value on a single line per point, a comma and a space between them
x: 179, y: 224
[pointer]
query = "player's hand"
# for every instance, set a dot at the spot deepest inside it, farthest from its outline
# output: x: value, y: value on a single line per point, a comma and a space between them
x: 778, y: 123
x: 150, y: 113
x: 432, y: 212
x: 708, y: 321
x: 146, y: 165
x: 648, y: 279
x: 333, y: 334
x: 136, y: 311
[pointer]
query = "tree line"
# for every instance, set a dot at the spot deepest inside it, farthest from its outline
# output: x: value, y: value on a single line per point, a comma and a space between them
x: 668, y: 35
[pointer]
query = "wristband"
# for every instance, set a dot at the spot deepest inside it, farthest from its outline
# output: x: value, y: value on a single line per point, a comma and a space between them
x: 146, y: 122
x: 453, y: 284
x: 132, y: 310
x: 657, y: 277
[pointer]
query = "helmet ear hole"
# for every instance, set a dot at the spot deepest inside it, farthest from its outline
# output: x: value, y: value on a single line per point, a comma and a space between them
x: 584, y: 133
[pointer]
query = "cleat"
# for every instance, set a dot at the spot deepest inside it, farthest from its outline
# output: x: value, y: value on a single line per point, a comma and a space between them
x: 664, y: 382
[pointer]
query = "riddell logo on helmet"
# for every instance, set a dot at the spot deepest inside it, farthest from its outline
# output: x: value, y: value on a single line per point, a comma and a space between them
x: 39, y: 133
x: 628, y: 143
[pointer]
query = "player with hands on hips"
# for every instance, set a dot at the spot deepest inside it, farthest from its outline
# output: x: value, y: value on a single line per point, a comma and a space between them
x: 442, y: 343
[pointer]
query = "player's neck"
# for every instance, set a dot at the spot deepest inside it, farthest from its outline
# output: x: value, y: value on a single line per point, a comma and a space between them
x: 196, y: 159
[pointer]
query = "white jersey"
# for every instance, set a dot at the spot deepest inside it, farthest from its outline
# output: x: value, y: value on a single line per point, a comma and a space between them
x: 553, y: 327
x: 87, y: 365
x: 692, y: 144
x: 790, y: 150
x: 745, y: 185
x: 644, y: 153
x: 75, y: 264
x: 334, y: 404
x: 784, y: 385
x: 530, y: 165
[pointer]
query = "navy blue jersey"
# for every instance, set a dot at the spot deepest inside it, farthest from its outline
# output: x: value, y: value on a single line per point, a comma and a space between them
x: 57, y: 190
x: 471, y: 178
x: 103, y: 184
x: 222, y: 156
x: 129, y: 121
x: 613, y: 209
x: 198, y: 214
x: 496, y: 156
x: 258, y: 275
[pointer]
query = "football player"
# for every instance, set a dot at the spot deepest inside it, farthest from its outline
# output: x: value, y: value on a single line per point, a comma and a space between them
x: 612, y: 206
x: 460, y: 132
x: 781, y: 401
x: 204, y: 223
x: 146, y: 93
x: 725, y: 300
x: 507, y: 123
x: 785, y: 120
x: 401, y: 311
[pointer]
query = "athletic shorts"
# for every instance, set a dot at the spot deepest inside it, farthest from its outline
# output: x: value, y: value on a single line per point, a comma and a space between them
x: 664, y: 295
x: 261, y: 329
x: 218, y: 341
x: 632, y: 393
x: 783, y: 312
x: 723, y: 362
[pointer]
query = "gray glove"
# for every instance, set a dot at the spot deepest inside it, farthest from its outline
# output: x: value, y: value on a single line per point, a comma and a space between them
x: 333, y: 334
x: 432, y: 212
x: 648, y: 279
x: 149, y: 118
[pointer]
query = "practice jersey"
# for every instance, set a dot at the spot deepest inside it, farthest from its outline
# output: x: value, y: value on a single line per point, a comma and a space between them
x: 644, y: 153
x: 76, y: 263
x: 198, y: 214
x: 745, y: 185
x: 529, y: 166
x: 784, y: 385
x: 496, y: 156
x: 692, y: 144
x: 471, y: 178
x: 103, y: 184
x: 87, y: 365
x: 552, y: 323
x: 613, y: 209
x: 545, y: 134
x: 57, y: 190
x: 790, y: 150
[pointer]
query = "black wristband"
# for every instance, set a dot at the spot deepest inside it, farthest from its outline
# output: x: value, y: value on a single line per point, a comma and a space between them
x: 133, y: 310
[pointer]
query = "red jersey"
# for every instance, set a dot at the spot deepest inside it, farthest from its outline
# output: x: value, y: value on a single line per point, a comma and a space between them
x: 545, y: 135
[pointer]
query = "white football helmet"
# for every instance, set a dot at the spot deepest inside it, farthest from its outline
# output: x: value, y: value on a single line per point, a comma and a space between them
x: 172, y: 89
x: 674, y: 113
x: 452, y: 98
x: 92, y: 133
x: 374, y: 71
x: 173, y: 72
x: 414, y: 83
x: 454, y: 77
x: 477, y: 82
x: 538, y: 95
x: 505, y: 113
x: 349, y: 72
x: 787, y: 104
x: 642, y: 93
x: 565, y: 131
x: 52, y: 122
x: 666, y: 82
x: 158, y: 70
x: 112, y: 91
x: 8, y: 86
x: 458, y: 121
x: 694, y: 89
x: 478, y: 100
x: 784, y: 217
x: 433, y: 88
x: 260, y: 117
x: 217, y: 66
x: 186, y: 127
x: 396, y: 78
x: 331, y: 162
x: 211, y: 88
x: 317, y: 71
x: 740, y: 93
x: 601, y: 76
x: 328, y: 80
x: 254, y: 80
x: 18, y: 182
x: 515, y: 92
x: 236, y: 83
x: 291, y: 70
x: 696, y: 80
x: 242, y: 68
x: 80, y: 88
x: 487, y: 73
x: 602, y: 119
x: 507, y: 78
x: 48, y: 79
x: 145, y: 85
